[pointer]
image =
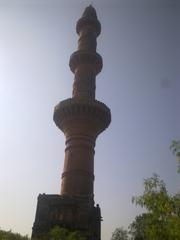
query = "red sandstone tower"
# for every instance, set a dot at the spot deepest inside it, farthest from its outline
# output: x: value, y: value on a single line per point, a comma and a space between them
x: 81, y: 118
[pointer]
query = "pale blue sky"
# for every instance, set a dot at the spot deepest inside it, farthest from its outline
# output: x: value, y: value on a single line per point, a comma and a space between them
x: 140, y: 46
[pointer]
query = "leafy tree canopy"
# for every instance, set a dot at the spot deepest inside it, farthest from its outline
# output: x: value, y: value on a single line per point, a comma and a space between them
x: 162, y: 220
x: 58, y: 233
x: 9, y: 235
x: 138, y: 226
x: 175, y: 148
x: 119, y: 234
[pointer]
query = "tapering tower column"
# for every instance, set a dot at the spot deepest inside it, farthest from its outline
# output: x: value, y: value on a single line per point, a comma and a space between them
x: 81, y: 117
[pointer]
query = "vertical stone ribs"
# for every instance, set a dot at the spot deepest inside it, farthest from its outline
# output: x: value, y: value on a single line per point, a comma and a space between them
x: 86, y: 63
x: 82, y: 115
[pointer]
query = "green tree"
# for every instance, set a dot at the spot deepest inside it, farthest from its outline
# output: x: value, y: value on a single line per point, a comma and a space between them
x: 75, y: 236
x: 175, y: 148
x: 58, y: 233
x: 9, y: 235
x: 162, y: 220
x: 120, y: 234
x: 138, y: 226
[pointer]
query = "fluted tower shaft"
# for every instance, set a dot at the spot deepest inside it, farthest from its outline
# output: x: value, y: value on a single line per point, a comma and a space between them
x: 82, y: 117
x: 88, y: 28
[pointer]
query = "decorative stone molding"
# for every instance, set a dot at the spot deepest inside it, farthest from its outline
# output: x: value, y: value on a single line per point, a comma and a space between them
x: 74, y: 108
x: 87, y: 58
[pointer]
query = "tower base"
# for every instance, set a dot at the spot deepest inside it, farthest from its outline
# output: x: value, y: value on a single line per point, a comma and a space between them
x: 72, y: 213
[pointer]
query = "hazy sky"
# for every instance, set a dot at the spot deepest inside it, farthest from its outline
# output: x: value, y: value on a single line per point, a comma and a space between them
x: 140, y: 46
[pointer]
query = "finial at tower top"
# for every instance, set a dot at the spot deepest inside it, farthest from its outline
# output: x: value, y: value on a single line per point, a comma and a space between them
x: 90, y: 12
x: 89, y: 19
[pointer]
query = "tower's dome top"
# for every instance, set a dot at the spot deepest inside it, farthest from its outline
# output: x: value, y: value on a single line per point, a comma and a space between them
x: 89, y: 12
x: 89, y: 18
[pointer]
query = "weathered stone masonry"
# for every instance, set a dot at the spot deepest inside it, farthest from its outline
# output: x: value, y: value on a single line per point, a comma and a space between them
x: 81, y: 118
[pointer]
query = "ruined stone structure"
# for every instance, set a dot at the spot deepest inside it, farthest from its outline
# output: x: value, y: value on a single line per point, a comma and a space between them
x: 81, y: 118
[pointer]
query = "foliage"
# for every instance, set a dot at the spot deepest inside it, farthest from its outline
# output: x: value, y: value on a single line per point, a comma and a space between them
x: 9, y: 235
x: 162, y: 220
x: 75, y: 236
x: 55, y: 233
x: 119, y: 234
x: 137, y: 227
x: 58, y: 233
x: 175, y: 148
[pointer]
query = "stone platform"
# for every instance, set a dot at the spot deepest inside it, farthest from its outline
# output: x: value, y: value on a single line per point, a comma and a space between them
x: 73, y: 213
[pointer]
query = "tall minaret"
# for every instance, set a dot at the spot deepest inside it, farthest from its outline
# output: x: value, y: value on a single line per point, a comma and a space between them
x: 81, y: 118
